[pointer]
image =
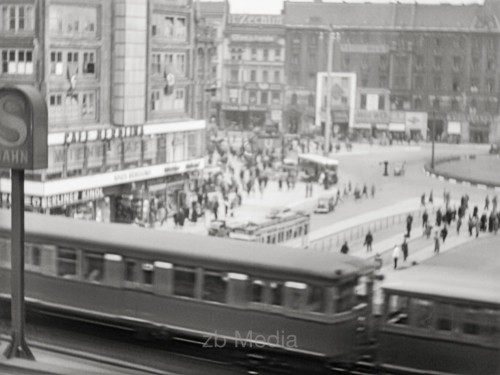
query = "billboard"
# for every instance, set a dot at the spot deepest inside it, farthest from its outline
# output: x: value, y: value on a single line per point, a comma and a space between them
x: 342, y: 94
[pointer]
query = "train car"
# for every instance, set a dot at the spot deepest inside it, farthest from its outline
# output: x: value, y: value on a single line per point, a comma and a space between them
x: 249, y: 295
x: 443, y: 316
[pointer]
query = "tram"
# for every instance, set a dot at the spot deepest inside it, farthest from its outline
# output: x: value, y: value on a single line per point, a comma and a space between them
x: 252, y: 295
x: 443, y: 316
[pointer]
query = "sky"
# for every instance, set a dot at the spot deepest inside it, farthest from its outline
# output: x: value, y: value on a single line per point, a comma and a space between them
x: 275, y: 6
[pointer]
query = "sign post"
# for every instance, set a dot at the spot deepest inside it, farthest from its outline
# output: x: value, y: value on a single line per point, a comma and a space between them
x: 23, y: 145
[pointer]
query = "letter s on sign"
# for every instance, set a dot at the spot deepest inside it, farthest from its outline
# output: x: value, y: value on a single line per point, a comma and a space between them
x: 13, y: 128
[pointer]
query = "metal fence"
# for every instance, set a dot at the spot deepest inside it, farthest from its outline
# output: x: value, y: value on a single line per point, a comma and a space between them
x: 332, y: 241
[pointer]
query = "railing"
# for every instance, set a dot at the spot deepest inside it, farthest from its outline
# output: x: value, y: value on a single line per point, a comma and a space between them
x: 332, y: 241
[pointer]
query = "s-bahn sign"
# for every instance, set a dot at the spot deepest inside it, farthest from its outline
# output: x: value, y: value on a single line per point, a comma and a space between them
x: 23, y: 128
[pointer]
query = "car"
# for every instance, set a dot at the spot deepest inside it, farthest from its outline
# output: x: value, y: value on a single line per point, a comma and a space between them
x: 399, y: 169
x: 218, y: 228
x: 324, y: 205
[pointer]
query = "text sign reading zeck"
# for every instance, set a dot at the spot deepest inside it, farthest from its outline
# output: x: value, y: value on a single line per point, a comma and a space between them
x: 23, y: 128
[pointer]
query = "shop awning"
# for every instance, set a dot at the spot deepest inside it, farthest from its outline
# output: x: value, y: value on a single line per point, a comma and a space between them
x: 362, y: 126
x: 454, y: 127
x: 396, y: 127
x: 381, y: 126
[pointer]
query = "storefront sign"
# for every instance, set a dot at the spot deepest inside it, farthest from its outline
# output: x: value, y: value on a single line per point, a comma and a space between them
x: 394, y: 127
x: 255, y: 19
x: 190, y: 166
x: 364, y: 48
x: 362, y: 126
x: 23, y: 128
x: 454, y: 127
x: 469, y: 117
x: 59, y: 200
x: 372, y: 116
x: 252, y: 38
x: 416, y: 120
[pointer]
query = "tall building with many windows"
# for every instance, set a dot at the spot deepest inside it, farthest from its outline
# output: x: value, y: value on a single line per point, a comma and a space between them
x: 253, y: 77
x: 116, y: 77
x: 417, y: 66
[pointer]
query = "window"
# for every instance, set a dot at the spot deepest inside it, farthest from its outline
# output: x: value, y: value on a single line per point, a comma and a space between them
x: 490, y: 85
x: 419, y: 63
x: 314, y: 300
x: 277, y: 54
x: 253, y: 53
x: 457, y: 63
x: 277, y: 76
x: 184, y: 281
x: 180, y: 29
x: 265, y: 76
x: 257, y: 291
x: 419, y: 82
x: 382, y: 80
x: 295, y: 293
x: 155, y: 100
x: 70, y: 20
x: 179, y: 103
x: 475, y: 65
x: 252, y: 97
x: 362, y: 104
x: 17, y: 18
x: 17, y: 61
x: 295, y: 58
x: 88, y: 63
x: 234, y: 75
x: 275, y: 293
x: 381, y: 102
x: 264, y: 97
x: 364, y: 63
x: 180, y: 63
x: 93, y: 267
x: 253, y: 76
x: 436, y: 104
x: 437, y: 83
x: 130, y: 271
x: 66, y: 262
x: 490, y: 63
x: 147, y: 274
x: 295, y: 78
x: 265, y: 54
x: 398, y: 310
x: 276, y: 97
x: 168, y: 27
x: 156, y: 63
x: 423, y: 311
x: 214, y: 286
x: 311, y: 100
x: 444, y: 317
x: 438, y: 62
x: 471, y: 322
x: 87, y: 105
x: 456, y: 84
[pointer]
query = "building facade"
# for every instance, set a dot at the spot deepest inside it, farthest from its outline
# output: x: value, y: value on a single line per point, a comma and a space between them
x: 439, y: 63
x: 116, y: 77
x: 253, y: 73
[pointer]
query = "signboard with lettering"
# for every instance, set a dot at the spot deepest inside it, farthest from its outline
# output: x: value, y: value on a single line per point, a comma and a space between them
x: 342, y: 97
x: 59, y: 200
x: 365, y: 116
x: 23, y: 128
x: 364, y: 48
x: 255, y: 19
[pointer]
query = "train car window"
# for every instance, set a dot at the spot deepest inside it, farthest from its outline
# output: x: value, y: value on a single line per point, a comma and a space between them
x: 276, y: 293
x: 214, y: 286
x: 295, y: 295
x: 147, y: 274
x: 300, y: 231
x: 32, y: 257
x: 491, y: 327
x: 471, y: 322
x: 398, y: 308
x: 268, y: 239
x: 5, y: 253
x: 93, y: 267
x: 345, y: 299
x: 184, y: 281
x: 273, y: 238
x: 130, y: 273
x: 36, y: 255
x: 257, y: 291
x: 444, y: 317
x: 315, y: 300
x: 66, y: 262
x: 306, y: 229
x: 423, y: 312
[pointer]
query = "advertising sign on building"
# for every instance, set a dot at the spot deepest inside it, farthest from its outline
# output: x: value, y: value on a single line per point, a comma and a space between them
x: 342, y: 96
x: 255, y: 19
x: 23, y: 125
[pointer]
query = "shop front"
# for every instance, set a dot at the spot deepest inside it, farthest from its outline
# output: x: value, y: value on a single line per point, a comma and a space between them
x: 479, y: 131
x: 362, y: 130
x: 416, y: 126
x: 454, y: 132
x: 397, y: 132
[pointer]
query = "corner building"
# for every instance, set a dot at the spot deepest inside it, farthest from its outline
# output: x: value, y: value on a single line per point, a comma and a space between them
x: 115, y: 75
x: 417, y: 66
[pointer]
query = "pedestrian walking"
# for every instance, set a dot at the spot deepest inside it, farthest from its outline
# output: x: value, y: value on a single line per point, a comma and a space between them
x: 439, y: 217
x: 365, y: 190
x: 436, y: 243
x: 368, y: 241
x: 396, y: 253
x: 373, y: 190
x: 422, y: 200
x: 487, y: 202
x: 431, y: 198
x: 404, y: 247
x: 280, y: 183
x: 494, y: 202
x: 425, y: 218
x: 495, y: 224
x: 215, y: 209
x: 444, y: 233
x: 472, y: 224
x: 344, y: 249
x: 409, y: 221
x: 459, y: 224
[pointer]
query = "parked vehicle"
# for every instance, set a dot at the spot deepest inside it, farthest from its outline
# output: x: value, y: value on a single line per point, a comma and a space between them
x: 399, y: 169
x: 325, y: 205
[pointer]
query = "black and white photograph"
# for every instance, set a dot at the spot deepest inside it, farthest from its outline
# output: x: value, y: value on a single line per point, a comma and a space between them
x: 254, y: 187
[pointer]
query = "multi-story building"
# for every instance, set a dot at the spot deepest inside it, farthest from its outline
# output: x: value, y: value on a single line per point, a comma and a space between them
x: 253, y: 77
x: 116, y: 77
x: 438, y: 65
x: 212, y: 21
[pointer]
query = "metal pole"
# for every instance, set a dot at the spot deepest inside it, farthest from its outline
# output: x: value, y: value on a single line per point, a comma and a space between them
x: 18, y: 347
x: 328, y: 121
x: 433, y: 139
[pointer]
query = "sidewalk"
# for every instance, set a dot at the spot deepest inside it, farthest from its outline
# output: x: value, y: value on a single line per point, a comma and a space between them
x: 68, y: 363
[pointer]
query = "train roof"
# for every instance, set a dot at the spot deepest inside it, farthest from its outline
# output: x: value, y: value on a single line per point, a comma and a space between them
x: 129, y: 240
x: 470, y: 272
x: 318, y: 159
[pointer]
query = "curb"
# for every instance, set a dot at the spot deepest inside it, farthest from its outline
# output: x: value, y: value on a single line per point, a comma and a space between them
x: 479, y: 184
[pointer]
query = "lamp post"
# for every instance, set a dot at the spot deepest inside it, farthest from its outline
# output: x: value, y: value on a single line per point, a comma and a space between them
x: 332, y: 36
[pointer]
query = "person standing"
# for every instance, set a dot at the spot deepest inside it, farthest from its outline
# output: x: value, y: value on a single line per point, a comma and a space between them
x: 396, y: 253
x: 422, y: 200
x: 373, y: 190
x: 425, y: 218
x: 215, y: 208
x: 487, y: 202
x: 431, y: 198
x: 344, y: 249
x: 404, y: 247
x: 436, y: 243
x: 444, y: 233
x: 409, y: 221
x: 368, y: 241
x: 459, y: 224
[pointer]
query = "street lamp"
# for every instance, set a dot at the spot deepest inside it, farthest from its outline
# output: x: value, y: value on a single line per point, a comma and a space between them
x: 433, y: 138
x: 332, y: 36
